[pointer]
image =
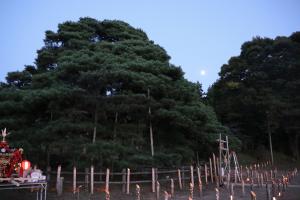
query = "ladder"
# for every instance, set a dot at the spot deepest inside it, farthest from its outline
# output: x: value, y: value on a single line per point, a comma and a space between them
x: 228, y: 160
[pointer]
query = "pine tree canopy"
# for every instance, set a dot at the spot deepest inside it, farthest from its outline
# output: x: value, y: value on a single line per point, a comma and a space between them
x: 87, y: 98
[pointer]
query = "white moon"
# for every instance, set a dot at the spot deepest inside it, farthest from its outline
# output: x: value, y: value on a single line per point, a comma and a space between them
x: 203, y: 72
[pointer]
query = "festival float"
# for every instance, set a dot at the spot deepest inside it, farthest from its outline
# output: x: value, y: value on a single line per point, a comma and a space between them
x: 13, y: 167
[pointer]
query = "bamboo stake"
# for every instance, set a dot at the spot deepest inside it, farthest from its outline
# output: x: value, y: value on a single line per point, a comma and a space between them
x: 253, y: 195
x: 235, y: 175
x: 228, y: 180
x: 232, y: 190
x: 92, y: 179
x: 128, y: 181
x: 107, y: 180
x: 217, y: 194
x: 205, y: 171
x: 74, y: 180
x: 215, y: 167
x: 243, y: 188
x: 200, y: 188
x: 218, y: 170
x: 172, y: 187
x: 138, y: 192
x: 192, y: 174
x: 58, y: 172
x: 59, y: 181
x: 166, y: 194
x: 191, y: 195
x: 107, y: 195
x: 211, y: 170
x: 153, y: 179
x: 241, y: 172
x: 183, y: 177
x: 199, y: 174
x: 179, y: 179
x: 157, y: 190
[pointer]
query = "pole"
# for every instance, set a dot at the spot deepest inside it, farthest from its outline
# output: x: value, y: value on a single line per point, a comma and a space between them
x: 150, y: 126
x: 270, y: 137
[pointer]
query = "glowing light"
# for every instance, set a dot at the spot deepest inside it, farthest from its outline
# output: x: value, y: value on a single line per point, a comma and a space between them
x: 25, y: 164
x: 203, y: 72
x: 231, y: 197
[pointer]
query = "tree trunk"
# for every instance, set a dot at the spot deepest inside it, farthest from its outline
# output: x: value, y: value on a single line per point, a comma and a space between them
x: 297, y: 146
x: 95, y: 124
x: 270, y: 139
x: 115, y: 125
x: 294, y: 145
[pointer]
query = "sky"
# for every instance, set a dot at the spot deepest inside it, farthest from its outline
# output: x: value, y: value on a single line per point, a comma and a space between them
x: 199, y: 35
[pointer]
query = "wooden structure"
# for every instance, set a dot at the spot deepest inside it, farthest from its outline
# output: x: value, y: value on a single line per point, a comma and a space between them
x: 228, y: 161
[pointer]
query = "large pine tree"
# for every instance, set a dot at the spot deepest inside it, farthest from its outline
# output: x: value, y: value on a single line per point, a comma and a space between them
x: 88, y: 99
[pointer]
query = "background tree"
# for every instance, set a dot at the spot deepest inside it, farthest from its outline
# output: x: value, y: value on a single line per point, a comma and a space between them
x: 256, y: 93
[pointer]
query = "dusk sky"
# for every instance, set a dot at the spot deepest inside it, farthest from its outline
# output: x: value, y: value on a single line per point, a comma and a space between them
x: 199, y: 35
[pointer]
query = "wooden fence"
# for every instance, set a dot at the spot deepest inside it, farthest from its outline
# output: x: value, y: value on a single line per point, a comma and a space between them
x: 129, y: 181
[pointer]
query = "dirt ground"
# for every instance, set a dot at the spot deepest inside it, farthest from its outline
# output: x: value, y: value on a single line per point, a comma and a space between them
x: 292, y: 193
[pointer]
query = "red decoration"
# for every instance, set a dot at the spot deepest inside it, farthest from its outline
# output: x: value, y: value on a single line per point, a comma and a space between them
x: 10, y: 158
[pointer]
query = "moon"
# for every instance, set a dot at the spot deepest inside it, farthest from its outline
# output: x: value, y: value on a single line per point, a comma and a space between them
x: 203, y: 72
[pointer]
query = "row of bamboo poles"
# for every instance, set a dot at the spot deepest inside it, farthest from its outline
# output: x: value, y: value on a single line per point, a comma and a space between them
x: 254, y: 174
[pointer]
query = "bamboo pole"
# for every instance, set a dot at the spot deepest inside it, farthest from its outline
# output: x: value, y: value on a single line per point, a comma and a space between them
x: 253, y: 195
x: 107, y: 195
x: 192, y: 174
x: 200, y: 188
x: 228, y: 181
x: 58, y: 172
x: 107, y: 180
x: 183, y: 177
x: 179, y: 179
x: 241, y: 172
x: 166, y: 195
x: 59, y: 181
x: 243, y: 188
x: 172, y: 187
x: 191, y: 195
x: 92, y: 179
x: 74, y: 180
x: 128, y: 181
x: 153, y: 179
x: 157, y: 190
x: 211, y: 170
x: 138, y: 192
x: 232, y: 190
x: 205, y: 171
x: 215, y: 167
x: 217, y: 194
x: 199, y: 174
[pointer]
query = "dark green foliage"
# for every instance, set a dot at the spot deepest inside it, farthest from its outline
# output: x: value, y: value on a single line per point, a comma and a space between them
x: 86, y: 100
x: 259, y: 91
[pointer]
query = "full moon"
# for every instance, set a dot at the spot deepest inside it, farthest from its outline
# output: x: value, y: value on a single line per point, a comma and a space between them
x: 203, y: 72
